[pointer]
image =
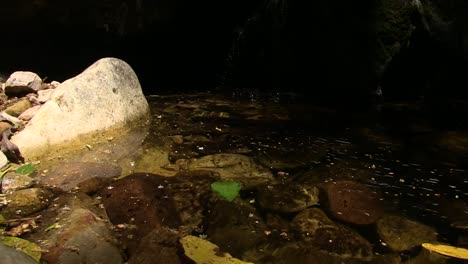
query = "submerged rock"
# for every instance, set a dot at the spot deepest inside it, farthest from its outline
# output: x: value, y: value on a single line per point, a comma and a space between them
x: 353, y: 202
x: 87, y: 177
x: 287, y: 198
x: 75, y: 230
x: 13, y: 181
x: 140, y: 203
x: 25, y: 202
x: 402, y: 234
x: 316, y: 229
x: 105, y: 96
x: 234, y: 226
x: 160, y: 246
x: 233, y: 167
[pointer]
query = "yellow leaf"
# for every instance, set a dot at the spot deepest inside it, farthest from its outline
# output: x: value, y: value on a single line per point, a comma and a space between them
x: 204, y: 252
x: 451, y: 251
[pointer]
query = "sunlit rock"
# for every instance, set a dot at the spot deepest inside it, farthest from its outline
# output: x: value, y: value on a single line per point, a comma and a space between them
x: 402, y: 234
x: 316, y: 229
x: 22, y: 82
x: 353, y: 202
x: 3, y: 160
x: 106, y: 96
x: 18, y: 108
x: 29, y: 113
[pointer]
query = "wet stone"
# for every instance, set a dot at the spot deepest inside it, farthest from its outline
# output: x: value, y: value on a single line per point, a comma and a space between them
x: 315, y: 228
x: 287, y: 198
x: 14, y: 181
x: 160, y: 246
x: 353, y: 202
x: 87, y: 177
x: 233, y: 167
x: 140, y: 203
x: 18, y: 108
x: 80, y: 236
x: 234, y: 226
x: 402, y: 234
x: 25, y: 202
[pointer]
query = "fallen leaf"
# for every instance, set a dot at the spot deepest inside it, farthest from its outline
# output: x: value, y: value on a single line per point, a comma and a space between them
x: 456, y: 252
x: 202, y: 252
x: 228, y: 190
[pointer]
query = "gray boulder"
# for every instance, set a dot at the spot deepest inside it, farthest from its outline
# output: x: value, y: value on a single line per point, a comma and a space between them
x: 22, y: 82
x: 12, y: 256
x: 105, y: 97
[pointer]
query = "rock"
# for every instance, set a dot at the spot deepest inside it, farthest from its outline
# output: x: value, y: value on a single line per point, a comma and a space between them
x: 234, y: 226
x: 142, y: 202
x: 299, y: 252
x: 77, y: 232
x: 106, y: 96
x: 22, y: 82
x: 87, y: 177
x: 4, y: 126
x: 233, y: 167
x: 353, y: 202
x: 54, y: 84
x: 402, y: 234
x: 13, y: 181
x: 287, y: 198
x: 45, y: 95
x: 154, y: 160
x: 160, y: 246
x: 18, y: 108
x: 9, y: 255
x: 3, y: 160
x: 29, y: 113
x: 25, y: 202
x: 316, y: 229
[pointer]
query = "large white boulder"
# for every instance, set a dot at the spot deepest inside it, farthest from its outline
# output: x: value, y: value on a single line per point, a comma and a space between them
x: 106, y: 96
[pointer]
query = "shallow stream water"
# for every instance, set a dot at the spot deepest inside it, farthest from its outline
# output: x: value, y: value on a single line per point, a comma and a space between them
x: 418, y: 169
x: 416, y: 166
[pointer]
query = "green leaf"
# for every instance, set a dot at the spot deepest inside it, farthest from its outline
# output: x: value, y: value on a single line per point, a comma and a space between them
x: 228, y: 190
x: 25, y: 246
x: 52, y: 226
x: 26, y: 169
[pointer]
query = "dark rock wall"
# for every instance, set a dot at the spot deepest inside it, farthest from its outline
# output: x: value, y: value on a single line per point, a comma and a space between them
x: 336, y: 50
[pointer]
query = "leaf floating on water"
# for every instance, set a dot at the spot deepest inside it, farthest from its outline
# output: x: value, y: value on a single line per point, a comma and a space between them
x: 26, y: 169
x: 456, y: 252
x: 228, y: 190
x: 202, y: 252
x: 25, y: 246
